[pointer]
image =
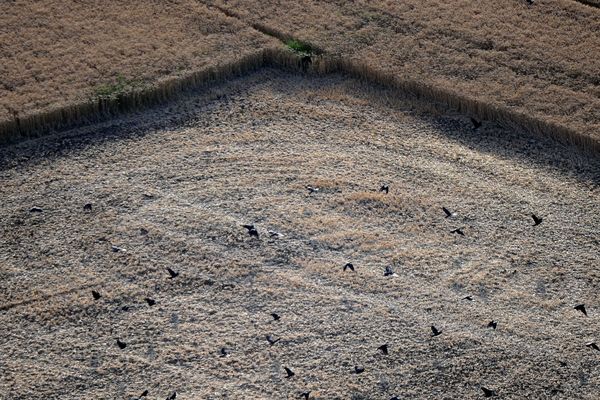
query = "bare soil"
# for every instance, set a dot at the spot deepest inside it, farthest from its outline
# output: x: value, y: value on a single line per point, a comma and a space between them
x: 192, y: 173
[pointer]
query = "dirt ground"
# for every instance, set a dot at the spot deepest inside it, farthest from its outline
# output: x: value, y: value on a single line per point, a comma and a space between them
x: 172, y: 186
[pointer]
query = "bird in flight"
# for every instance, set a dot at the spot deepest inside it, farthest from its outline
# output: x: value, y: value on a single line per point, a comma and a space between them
x: 384, y: 349
x: 121, y: 345
x: 536, y: 220
x: 389, y: 271
x: 305, y: 395
x: 581, y: 307
x: 469, y: 298
x: 385, y: 188
x: 488, y: 392
x: 252, y: 231
x: 35, y: 209
x: 448, y: 213
x: 274, y: 234
x: 476, y: 124
x: 87, y: 207
x: 275, y: 316
x: 312, y: 189
x: 150, y: 301
x: 144, y: 394
x: 224, y: 352
x: 172, y: 274
x: 435, y: 331
x: 359, y: 370
x: 349, y: 266
x: 458, y: 231
x: 492, y: 324
x: 96, y: 295
x: 271, y: 340
x: 116, y: 249
x: 593, y: 345
x: 143, y: 231
x: 289, y: 372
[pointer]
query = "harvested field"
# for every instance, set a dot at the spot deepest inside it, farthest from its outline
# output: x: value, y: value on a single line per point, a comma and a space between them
x: 192, y: 172
x: 59, y: 53
x: 541, y: 60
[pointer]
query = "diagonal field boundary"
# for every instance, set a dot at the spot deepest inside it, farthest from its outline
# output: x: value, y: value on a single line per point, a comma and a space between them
x: 92, y: 111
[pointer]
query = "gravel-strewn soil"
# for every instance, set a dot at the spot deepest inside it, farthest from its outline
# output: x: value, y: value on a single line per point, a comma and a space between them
x: 193, y: 172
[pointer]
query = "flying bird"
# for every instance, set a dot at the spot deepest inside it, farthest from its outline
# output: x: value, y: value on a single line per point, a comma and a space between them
x: 581, y: 307
x: 435, y: 331
x: 87, y: 207
x: 469, y: 298
x: 96, y: 295
x: 359, y: 370
x: 289, y: 372
x: 305, y: 395
x: 488, y: 392
x: 35, y: 209
x: 275, y: 316
x: 150, y: 301
x: 395, y: 398
x: 271, y: 340
x: 593, y: 345
x: 172, y: 274
x: 349, y: 266
x: 492, y: 324
x: 116, y: 249
x: 224, y: 352
x: 385, y: 188
x: 274, y: 234
x: 536, y: 220
x: 389, y: 271
x: 476, y: 124
x: 458, y: 231
x: 384, y: 349
x: 311, y: 189
x: 144, y: 394
x: 121, y: 345
x: 448, y: 213
x: 252, y: 231
x: 530, y: 2
x: 143, y: 231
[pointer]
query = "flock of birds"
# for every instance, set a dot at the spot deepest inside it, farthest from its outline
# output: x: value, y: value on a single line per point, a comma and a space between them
x: 253, y: 232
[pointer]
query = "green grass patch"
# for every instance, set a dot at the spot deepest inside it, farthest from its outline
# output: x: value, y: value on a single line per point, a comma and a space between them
x: 120, y: 86
x: 300, y: 47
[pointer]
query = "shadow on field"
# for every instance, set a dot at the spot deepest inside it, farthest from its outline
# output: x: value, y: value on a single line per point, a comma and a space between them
x: 490, y: 138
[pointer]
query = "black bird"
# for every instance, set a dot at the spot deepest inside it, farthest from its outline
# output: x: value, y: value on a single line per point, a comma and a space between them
x: 311, y: 189
x: 488, y: 392
x: 349, y: 266
x: 470, y: 298
x: 581, y: 307
x: 289, y: 372
x: 224, y: 352
x: 448, y: 213
x: 458, y: 231
x: 388, y: 271
x: 305, y: 395
x: 125, y: 308
x: 385, y: 188
x: 384, y: 349
x: 536, y: 220
x: 435, y: 331
x: 476, y: 124
x: 395, y: 398
x: 593, y: 345
x: 271, y: 340
x: 35, y: 209
x: 150, y: 301
x: 121, y: 345
x: 143, y: 231
x: 172, y: 397
x: 116, y: 249
x: 87, y: 207
x: 275, y: 316
x: 96, y: 295
x: 274, y: 234
x: 530, y: 2
x: 172, y: 274
x: 492, y: 324
x: 144, y: 394
x: 359, y: 370
x: 252, y: 231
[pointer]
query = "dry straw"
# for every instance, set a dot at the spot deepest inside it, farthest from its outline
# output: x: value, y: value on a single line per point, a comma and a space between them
x: 91, y: 111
